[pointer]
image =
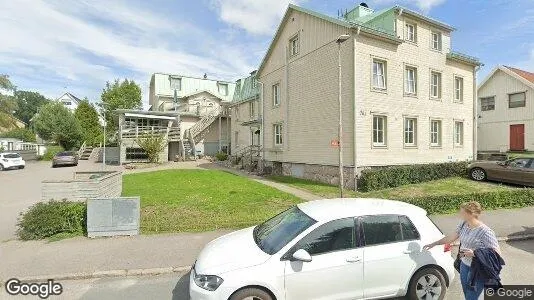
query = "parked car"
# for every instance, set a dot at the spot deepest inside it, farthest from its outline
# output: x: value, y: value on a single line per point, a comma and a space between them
x: 66, y: 158
x: 517, y: 171
x: 10, y: 160
x: 328, y: 249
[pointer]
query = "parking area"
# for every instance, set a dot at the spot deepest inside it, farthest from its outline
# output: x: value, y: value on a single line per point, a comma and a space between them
x: 19, y: 189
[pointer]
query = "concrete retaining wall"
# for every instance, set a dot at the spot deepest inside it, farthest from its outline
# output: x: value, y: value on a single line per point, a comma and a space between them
x: 84, y: 185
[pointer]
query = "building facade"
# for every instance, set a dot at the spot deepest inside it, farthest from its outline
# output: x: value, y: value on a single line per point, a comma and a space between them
x: 407, y: 98
x: 69, y: 101
x: 506, y: 111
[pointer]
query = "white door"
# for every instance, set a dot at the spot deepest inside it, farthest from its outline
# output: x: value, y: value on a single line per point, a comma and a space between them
x: 336, y: 269
x: 391, y: 250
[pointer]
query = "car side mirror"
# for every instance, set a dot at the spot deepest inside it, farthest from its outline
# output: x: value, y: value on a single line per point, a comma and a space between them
x: 302, y: 255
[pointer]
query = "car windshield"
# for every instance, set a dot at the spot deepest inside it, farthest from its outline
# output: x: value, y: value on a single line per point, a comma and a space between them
x: 64, y: 154
x: 12, y: 155
x: 275, y: 233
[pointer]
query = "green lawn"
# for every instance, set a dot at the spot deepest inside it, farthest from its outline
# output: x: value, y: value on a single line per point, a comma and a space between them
x: 454, y: 185
x: 202, y: 200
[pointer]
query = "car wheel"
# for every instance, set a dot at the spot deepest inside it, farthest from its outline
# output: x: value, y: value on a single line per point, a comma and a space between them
x: 251, y: 294
x: 478, y: 174
x: 1, y: 167
x: 21, y: 167
x: 427, y: 283
x: 54, y: 166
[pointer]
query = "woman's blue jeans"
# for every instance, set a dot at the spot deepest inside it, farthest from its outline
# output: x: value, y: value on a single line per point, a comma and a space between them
x: 470, y: 293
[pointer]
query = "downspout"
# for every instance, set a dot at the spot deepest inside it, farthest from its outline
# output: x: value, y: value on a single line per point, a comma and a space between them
x: 355, y: 135
x: 285, y: 138
x: 475, y: 112
x: 262, y: 136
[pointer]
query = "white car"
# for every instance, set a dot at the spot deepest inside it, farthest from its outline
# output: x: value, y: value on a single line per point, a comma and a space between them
x: 328, y: 249
x: 11, y: 161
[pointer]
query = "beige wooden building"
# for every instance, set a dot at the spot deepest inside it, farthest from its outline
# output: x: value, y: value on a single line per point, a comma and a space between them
x: 506, y: 111
x: 407, y: 97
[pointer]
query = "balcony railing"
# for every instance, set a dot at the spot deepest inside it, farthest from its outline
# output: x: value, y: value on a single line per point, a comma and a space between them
x: 134, y: 132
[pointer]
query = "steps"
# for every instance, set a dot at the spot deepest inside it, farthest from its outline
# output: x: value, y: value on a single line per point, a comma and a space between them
x: 86, y: 154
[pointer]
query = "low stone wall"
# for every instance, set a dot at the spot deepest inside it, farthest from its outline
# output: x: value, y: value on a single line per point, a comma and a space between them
x: 84, y: 185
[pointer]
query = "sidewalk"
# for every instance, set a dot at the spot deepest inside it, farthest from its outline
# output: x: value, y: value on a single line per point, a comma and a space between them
x: 166, y: 253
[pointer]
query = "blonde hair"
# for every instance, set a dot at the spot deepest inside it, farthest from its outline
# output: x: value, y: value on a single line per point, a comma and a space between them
x: 472, y: 207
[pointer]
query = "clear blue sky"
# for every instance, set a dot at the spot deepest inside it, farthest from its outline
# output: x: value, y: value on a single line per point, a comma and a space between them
x: 55, y: 46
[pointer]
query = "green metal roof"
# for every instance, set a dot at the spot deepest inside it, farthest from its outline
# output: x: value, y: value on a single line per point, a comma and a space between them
x: 246, y: 89
x: 464, y: 58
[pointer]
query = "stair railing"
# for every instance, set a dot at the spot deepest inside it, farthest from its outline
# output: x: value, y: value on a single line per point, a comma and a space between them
x: 82, y: 149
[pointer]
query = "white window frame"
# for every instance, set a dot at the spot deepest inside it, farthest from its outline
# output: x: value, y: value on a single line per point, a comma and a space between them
x: 223, y: 88
x: 458, y: 89
x: 276, y: 94
x: 437, y: 86
x: 487, y: 105
x: 524, y: 100
x: 294, y: 45
x: 175, y: 83
x: 252, y: 109
x: 410, y: 83
x: 411, y: 36
x: 380, y: 72
x: 458, y: 133
x: 278, y: 139
x: 436, y: 132
x: 410, y: 130
x: 376, y: 131
x: 436, y: 44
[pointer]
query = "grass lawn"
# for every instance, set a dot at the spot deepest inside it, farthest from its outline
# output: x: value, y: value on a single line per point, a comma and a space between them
x: 202, y: 200
x: 454, y: 185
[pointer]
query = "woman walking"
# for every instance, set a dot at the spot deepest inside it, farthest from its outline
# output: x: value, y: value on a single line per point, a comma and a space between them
x: 473, y: 235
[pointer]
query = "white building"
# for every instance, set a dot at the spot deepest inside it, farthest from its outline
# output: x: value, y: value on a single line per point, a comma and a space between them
x: 69, y: 101
x: 506, y: 111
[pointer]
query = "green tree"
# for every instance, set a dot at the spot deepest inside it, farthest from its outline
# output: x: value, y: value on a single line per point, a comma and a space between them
x: 120, y: 95
x: 7, y: 104
x: 54, y: 122
x: 87, y: 117
x: 28, y: 104
x: 21, y: 134
x: 153, y: 144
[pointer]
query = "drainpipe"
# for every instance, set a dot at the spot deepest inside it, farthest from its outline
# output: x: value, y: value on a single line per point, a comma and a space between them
x: 475, y: 112
x: 355, y: 134
x: 262, y: 135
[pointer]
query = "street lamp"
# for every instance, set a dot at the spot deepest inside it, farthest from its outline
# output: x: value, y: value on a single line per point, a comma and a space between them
x: 103, y: 107
x: 342, y: 38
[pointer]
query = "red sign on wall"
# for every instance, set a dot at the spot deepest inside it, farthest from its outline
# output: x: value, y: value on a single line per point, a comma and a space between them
x: 334, y: 143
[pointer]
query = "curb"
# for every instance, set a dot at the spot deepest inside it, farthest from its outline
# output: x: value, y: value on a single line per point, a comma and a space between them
x: 170, y: 270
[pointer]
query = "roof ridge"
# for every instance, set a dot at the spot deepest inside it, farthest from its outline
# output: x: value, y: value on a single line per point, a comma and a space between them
x: 523, y: 73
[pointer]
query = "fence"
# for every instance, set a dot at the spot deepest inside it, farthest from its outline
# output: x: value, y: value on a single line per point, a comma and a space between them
x: 84, y: 185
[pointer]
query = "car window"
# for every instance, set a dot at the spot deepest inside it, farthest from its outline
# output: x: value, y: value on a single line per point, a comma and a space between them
x: 519, y: 163
x: 409, y: 232
x: 383, y: 229
x: 12, y: 155
x: 332, y: 236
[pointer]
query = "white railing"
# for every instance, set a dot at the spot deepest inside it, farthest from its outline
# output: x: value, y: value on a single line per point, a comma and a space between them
x: 82, y: 149
x: 134, y: 132
x: 204, y: 122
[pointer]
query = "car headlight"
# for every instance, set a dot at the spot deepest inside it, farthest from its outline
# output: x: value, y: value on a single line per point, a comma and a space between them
x: 208, y: 282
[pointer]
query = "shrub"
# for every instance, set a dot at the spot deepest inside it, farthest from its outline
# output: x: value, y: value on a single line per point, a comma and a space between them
x: 23, y: 134
x: 46, y: 219
x: 443, y: 204
x: 50, y: 152
x: 221, y: 156
x: 152, y: 144
x: 389, y: 177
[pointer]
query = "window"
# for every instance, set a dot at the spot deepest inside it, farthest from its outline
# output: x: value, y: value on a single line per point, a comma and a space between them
x: 519, y: 163
x: 435, y: 85
x: 294, y: 45
x: 379, y: 130
x: 516, y: 100
x: 333, y: 236
x: 252, y: 109
x: 436, y: 41
x: 223, y: 89
x: 383, y: 229
x: 410, y: 132
x: 278, y: 134
x: 136, y: 154
x: 236, y: 138
x: 487, y: 103
x: 379, y: 74
x: 458, y: 133
x: 236, y: 112
x: 411, y: 81
x: 68, y: 103
x: 176, y: 83
x: 276, y: 94
x: 435, y: 133
x: 411, y: 32
x: 458, y: 89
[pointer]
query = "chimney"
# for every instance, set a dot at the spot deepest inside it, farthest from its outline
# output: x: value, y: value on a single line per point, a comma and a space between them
x: 359, y: 11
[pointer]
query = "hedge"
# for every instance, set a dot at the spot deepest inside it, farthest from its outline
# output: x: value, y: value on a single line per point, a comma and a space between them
x: 389, y: 177
x: 51, y: 151
x: 514, y: 198
x: 46, y: 219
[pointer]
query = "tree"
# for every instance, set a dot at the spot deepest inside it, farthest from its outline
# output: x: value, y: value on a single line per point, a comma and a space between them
x: 28, y: 104
x: 20, y: 133
x: 120, y: 95
x: 7, y: 104
x: 54, y: 122
x: 153, y: 144
x: 87, y: 117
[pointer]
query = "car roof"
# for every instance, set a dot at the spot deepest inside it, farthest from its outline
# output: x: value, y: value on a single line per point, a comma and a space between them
x: 4, y: 153
x: 330, y: 209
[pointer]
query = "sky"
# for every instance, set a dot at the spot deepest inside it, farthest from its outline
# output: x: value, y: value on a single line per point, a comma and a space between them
x: 56, y: 46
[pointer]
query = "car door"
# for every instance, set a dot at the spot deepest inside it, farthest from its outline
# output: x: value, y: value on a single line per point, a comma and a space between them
x: 517, y: 171
x: 391, y: 247
x: 336, y: 268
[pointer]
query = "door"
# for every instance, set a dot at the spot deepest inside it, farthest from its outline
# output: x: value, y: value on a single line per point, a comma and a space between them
x: 336, y: 268
x: 517, y: 137
x: 392, y: 246
x: 518, y: 171
x: 10, y: 146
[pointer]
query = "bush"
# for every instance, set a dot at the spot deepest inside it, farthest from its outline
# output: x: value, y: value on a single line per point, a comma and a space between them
x: 221, y: 156
x: 46, y: 219
x: 50, y: 152
x: 444, y: 204
x: 23, y: 134
x: 389, y: 177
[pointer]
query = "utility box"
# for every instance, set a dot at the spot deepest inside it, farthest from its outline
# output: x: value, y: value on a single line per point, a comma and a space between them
x: 113, y: 216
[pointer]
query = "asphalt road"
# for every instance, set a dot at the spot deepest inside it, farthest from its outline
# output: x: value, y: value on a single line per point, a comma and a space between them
x: 519, y: 257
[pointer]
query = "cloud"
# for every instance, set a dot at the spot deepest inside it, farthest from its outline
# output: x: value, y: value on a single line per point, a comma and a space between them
x: 254, y: 16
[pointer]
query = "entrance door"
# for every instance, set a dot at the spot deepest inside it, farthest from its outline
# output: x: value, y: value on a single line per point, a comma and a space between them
x: 517, y: 137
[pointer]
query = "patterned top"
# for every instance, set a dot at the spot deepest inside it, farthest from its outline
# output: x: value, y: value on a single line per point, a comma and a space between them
x: 473, y: 238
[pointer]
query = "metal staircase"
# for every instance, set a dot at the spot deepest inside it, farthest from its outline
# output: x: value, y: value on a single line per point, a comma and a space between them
x: 197, y: 132
x: 84, y: 153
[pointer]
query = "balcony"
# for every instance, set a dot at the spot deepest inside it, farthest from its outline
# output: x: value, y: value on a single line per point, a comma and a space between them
x: 133, y: 132
x: 252, y: 120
